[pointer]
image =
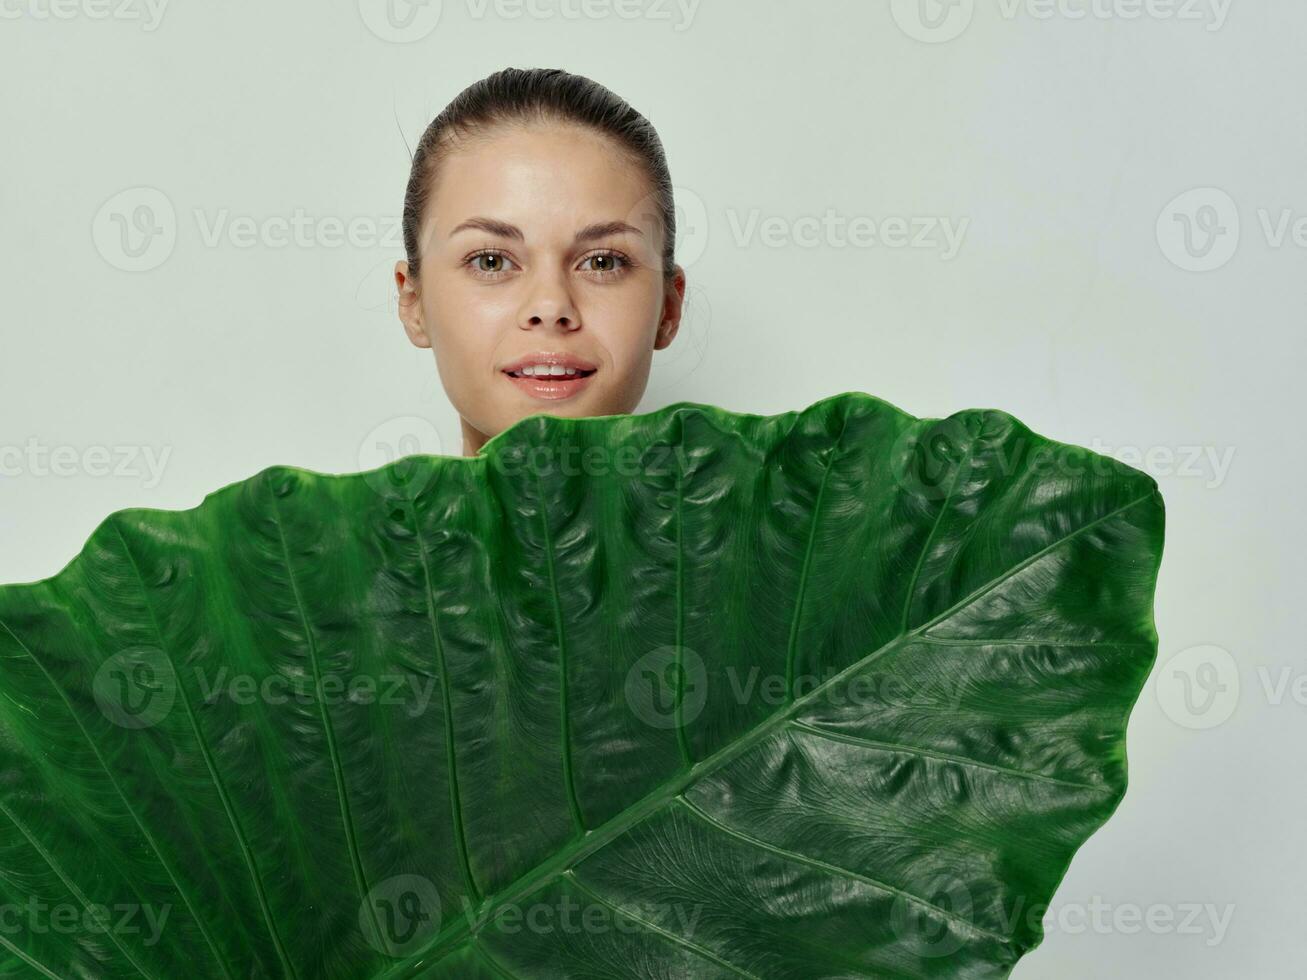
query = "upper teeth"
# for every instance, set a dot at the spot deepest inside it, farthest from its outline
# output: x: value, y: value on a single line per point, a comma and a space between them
x: 542, y: 369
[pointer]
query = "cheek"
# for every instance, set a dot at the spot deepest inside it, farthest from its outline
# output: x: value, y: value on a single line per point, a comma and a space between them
x: 629, y: 348
x: 626, y: 325
x: 631, y: 307
x: 466, y: 327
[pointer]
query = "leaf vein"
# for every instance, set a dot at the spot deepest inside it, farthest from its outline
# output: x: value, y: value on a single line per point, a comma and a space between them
x: 113, y: 781
x: 1025, y: 563
x: 667, y: 934
x: 333, y: 752
x: 34, y: 964
x: 1022, y: 641
x: 963, y: 760
x: 564, y: 714
x: 934, y: 529
x: 210, y: 766
x: 68, y: 883
x: 451, y: 757
x: 837, y: 870
x: 792, y: 651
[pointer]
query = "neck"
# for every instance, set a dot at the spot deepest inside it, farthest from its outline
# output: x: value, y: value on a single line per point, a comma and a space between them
x: 472, y: 439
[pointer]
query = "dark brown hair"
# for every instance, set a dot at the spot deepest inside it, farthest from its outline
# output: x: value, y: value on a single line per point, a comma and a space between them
x: 528, y: 95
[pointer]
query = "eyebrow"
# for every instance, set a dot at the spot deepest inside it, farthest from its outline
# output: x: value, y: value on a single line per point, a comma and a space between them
x: 600, y: 229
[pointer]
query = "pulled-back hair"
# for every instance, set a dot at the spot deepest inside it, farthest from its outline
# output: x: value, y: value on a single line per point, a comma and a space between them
x: 515, y: 95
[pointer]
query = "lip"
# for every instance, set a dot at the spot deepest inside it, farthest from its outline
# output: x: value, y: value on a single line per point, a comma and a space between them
x: 561, y: 358
x: 552, y: 388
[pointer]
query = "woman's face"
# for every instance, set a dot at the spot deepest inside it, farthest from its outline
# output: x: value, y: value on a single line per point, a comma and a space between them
x: 540, y: 253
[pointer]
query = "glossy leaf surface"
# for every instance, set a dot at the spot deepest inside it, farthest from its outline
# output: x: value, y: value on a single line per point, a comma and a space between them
x: 834, y: 693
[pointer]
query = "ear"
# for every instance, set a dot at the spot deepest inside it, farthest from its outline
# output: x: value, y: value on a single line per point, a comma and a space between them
x: 410, y: 306
x: 673, y: 306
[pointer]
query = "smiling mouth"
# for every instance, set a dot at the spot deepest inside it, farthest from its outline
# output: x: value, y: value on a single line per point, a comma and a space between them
x: 564, y: 374
x: 540, y: 381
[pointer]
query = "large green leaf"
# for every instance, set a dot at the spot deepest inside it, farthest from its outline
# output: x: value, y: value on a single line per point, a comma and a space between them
x: 689, y: 694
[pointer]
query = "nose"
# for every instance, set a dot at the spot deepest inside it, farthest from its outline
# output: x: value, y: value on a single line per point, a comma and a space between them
x: 549, y: 304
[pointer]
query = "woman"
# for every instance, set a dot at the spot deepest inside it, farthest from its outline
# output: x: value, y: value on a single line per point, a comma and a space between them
x: 539, y: 229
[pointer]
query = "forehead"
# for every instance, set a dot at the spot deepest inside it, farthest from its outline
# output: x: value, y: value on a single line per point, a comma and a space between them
x: 544, y: 177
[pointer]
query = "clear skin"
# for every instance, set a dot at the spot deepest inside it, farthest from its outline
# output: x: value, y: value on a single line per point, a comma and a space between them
x: 486, y: 298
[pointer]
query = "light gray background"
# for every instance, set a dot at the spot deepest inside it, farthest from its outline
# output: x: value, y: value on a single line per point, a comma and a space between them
x: 1073, y: 142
